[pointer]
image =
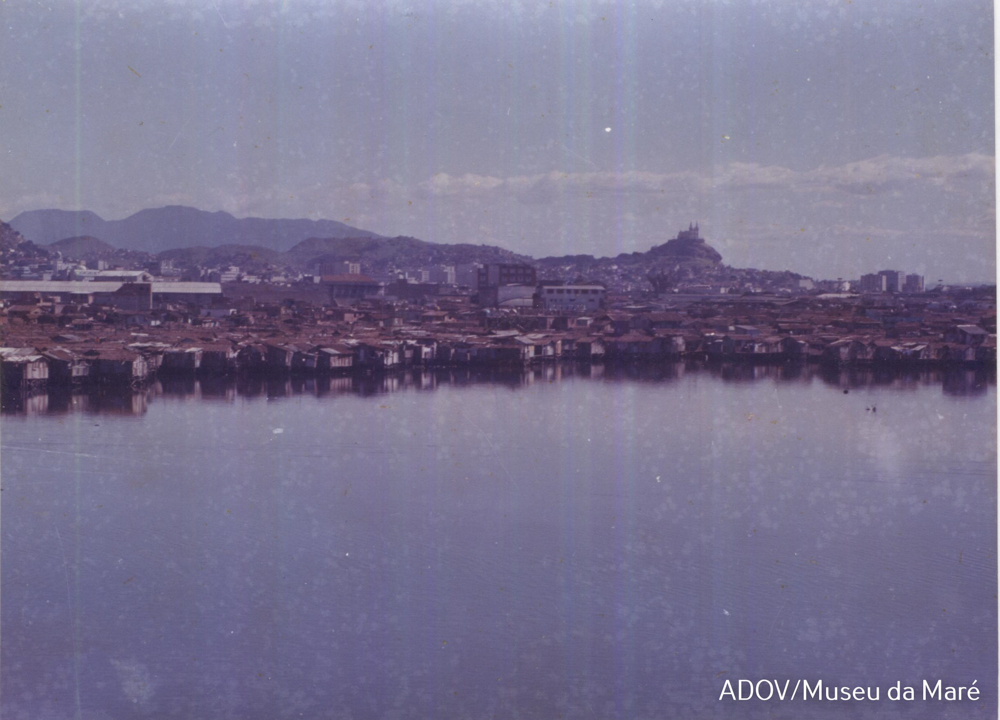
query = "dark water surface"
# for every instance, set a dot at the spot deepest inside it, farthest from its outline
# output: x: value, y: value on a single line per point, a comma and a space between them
x: 564, y: 546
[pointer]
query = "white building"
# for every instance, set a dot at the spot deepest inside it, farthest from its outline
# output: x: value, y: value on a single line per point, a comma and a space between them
x: 126, y: 276
x: 573, y: 298
x: 230, y: 274
x: 443, y: 274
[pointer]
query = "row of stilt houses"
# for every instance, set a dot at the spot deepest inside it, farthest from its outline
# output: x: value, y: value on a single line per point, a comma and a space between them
x: 121, y: 361
x: 851, y: 350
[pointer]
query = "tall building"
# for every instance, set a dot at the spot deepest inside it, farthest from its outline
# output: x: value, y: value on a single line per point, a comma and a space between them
x: 872, y: 283
x: 914, y: 284
x: 497, y: 274
x: 336, y: 267
x: 443, y: 274
x: 894, y: 280
x: 467, y: 274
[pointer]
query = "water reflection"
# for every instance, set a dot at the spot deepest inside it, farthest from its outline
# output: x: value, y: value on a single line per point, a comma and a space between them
x: 612, y: 546
x: 953, y: 382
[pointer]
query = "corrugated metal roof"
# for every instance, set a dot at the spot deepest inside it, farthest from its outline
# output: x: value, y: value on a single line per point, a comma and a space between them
x: 58, y: 286
x: 96, y: 286
x: 349, y: 279
x: 187, y: 287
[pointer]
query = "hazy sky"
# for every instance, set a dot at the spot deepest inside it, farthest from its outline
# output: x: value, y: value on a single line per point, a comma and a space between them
x: 829, y: 138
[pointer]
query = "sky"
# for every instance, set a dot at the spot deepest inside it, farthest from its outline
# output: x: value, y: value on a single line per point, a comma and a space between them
x: 831, y: 138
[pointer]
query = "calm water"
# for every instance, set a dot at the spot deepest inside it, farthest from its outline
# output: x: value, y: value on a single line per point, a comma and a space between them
x: 565, y: 546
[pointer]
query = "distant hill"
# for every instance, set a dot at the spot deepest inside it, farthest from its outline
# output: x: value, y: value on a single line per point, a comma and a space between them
x: 176, y: 226
x: 84, y: 248
x: 378, y: 253
x: 684, y: 249
x: 9, y: 237
x: 249, y: 257
x: 375, y: 253
x: 686, y: 257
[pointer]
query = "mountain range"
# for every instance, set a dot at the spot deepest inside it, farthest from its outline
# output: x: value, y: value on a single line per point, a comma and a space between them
x: 176, y: 226
x: 189, y: 236
x: 375, y: 253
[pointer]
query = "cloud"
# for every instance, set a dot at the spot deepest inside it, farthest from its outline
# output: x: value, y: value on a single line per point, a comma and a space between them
x: 878, y: 175
x: 443, y: 184
x: 872, y: 176
x: 948, y: 173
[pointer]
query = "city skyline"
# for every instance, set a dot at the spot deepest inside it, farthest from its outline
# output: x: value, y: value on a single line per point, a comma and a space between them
x: 830, y: 140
